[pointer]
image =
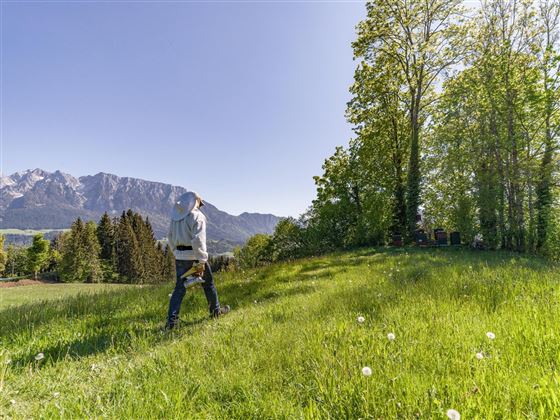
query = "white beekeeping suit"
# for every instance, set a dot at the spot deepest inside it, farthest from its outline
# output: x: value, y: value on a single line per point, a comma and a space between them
x: 188, y: 228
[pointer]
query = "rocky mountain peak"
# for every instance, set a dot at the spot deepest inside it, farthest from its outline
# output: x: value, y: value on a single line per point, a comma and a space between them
x: 37, y: 199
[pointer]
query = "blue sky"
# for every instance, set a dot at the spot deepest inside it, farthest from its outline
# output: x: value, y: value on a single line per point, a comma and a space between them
x: 239, y: 101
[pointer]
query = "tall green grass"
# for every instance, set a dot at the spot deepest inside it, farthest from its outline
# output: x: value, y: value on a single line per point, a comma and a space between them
x: 17, y: 296
x: 292, y: 347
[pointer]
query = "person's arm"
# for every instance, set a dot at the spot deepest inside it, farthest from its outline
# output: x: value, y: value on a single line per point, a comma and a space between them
x: 199, y: 239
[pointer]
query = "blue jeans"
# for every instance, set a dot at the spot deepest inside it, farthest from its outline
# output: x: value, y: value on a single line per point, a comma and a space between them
x: 181, y: 267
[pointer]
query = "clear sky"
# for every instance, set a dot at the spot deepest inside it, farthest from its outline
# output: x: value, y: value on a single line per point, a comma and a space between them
x: 240, y: 101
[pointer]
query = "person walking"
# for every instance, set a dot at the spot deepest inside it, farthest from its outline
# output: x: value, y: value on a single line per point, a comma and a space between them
x: 187, y: 240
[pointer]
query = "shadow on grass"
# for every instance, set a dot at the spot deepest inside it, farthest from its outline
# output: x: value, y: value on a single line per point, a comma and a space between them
x: 242, y: 293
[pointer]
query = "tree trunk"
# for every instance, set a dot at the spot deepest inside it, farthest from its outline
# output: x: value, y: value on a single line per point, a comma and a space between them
x: 517, y: 218
x: 544, y: 195
x: 413, y: 180
x: 399, y: 204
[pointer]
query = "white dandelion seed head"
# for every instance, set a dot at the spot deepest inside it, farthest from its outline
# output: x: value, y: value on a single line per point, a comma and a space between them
x: 40, y: 356
x: 170, y: 294
x: 490, y: 335
x: 13, y: 402
x: 256, y: 302
x: 479, y: 356
x: 56, y: 394
x: 453, y: 414
x: 361, y: 319
x: 391, y: 336
x: 366, y: 371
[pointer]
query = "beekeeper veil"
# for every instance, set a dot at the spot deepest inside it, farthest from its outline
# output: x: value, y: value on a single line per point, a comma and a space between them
x: 184, y: 205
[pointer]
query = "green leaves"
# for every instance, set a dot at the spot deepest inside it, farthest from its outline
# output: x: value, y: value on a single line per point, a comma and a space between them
x: 37, y: 254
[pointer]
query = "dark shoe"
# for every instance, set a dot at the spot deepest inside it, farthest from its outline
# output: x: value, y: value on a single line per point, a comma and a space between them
x: 168, y: 327
x: 222, y: 311
x: 171, y: 323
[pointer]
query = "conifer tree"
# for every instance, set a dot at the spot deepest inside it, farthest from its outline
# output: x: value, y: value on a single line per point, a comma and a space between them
x: 92, y: 251
x: 105, y: 236
x: 72, y: 253
x: 168, y: 268
x: 149, y: 258
x: 152, y: 262
x: 127, y: 251
x: 55, y: 252
x: 80, y: 254
x: 144, y: 246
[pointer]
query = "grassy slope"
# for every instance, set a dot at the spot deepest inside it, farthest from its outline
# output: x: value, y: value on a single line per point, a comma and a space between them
x: 292, y: 346
x: 15, y: 296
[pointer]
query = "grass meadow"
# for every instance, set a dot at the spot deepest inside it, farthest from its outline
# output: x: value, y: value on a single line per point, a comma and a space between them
x: 293, y: 346
x: 29, y: 232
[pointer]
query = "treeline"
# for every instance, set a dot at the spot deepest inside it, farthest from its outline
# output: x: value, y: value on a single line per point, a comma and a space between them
x: 115, y: 250
x: 456, y: 119
x: 17, y: 261
x: 120, y: 250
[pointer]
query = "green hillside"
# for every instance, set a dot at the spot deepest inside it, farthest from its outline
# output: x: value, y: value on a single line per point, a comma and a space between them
x: 293, y: 346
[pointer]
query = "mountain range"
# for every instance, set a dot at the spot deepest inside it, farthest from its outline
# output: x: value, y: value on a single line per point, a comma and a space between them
x: 37, y: 199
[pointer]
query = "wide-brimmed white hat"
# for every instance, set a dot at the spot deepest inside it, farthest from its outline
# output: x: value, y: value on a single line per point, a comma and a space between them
x: 184, y: 205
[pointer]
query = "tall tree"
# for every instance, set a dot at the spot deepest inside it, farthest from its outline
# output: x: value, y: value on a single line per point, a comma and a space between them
x: 380, y: 123
x: 168, y: 265
x: 105, y: 236
x: 92, y: 250
x: 549, y: 57
x: 16, y: 263
x: 80, y: 254
x: 127, y: 251
x: 420, y: 39
x: 37, y: 255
